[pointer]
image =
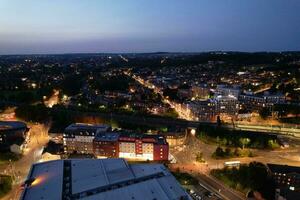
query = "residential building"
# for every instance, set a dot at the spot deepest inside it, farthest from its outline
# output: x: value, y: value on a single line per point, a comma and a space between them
x: 106, y: 145
x: 287, y: 179
x: 100, y: 141
x: 228, y: 91
x: 175, y: 138
x: 227, y: 105
x: 78, y: 138
x: 256, y: 102
x: 203, y: 110
x: 144, y: 147
x: 200, y: 91
x: 285, y: 176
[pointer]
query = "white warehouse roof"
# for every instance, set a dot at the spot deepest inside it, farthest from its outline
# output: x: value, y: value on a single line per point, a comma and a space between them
x: 97, y: 179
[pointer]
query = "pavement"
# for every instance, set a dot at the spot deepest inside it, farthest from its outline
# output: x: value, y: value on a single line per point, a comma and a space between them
x: 37, y: 140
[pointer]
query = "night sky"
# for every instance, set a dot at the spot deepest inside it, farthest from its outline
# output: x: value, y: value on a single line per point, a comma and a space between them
x: 74, y: 26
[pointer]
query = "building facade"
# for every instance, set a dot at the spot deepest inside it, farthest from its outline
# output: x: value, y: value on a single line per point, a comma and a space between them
x: 256, y: 102
x: 227, y: 105
x: 106, y: 145
x: 200, y: 91
x: 100, y: 141
x: 286, y: 176
x: 175, y: 138
x: 78, y: 138
x: 227, y: 91
x: 204, y: 110
x: 287, y: 180
x: 144, y: 147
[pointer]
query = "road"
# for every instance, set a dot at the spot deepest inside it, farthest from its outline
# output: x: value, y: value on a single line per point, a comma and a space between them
x: 219, y: 188
x: 209, y: 182
x: 186, y: 163
x: 186, y: 157
x: 38, y: 138
x: 292, y: 131
x: 186, y: 114
x: 183, y: 113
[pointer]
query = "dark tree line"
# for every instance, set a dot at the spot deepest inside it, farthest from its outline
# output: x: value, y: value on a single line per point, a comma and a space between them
x: 254, y: 176
x: 236, y: 138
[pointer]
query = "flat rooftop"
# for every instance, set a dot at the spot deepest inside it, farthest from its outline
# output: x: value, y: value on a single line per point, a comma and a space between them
x: 12, y: 125
x: 158, y: 139
x: 77, y: 128
x: 107, y: 136
x: 96, y: 179
x: 286, y: 169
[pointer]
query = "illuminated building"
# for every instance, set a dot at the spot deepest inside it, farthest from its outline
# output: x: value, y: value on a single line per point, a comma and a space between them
x: 227, y: 105
x: 98, y: 140
x: 78, y: 138
x: 106, y: 145
x: 227, y: 91
x: 95, y: 179
x: 256, y: 102
x: 204, y: 110
x: 131, y: 146
x: 287, y: 179
x: 175, y: 138
x: 200, y: 91
x: 285, y: 175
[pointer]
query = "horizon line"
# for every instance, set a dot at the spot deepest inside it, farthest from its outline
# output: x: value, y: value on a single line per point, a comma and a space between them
x: 148, y: 52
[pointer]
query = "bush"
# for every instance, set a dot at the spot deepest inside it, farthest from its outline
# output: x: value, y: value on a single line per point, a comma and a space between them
x: 254, y: 176
x: 9, y: 156
x: 185, y: 178
x: 199, y: 157
x: 264, y: 113
x: 35, y: 113
x: 220, y: 153
x: 272, y: 144
x: 234, y: 138
x: 5, y: 184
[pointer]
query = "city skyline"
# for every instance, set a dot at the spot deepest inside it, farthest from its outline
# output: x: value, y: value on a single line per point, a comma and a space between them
x: 49, y: 27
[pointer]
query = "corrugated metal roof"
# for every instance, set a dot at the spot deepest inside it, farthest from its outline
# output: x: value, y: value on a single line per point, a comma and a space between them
x: 96, y: 179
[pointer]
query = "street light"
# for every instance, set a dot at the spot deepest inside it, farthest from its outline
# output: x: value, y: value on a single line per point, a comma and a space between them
x: 193, y: 132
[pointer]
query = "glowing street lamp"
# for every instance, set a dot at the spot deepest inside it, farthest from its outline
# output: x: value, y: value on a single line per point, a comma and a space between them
x: 193, y: 132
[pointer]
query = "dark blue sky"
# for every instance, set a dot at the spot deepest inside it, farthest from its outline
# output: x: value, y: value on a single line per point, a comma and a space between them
x: 69, y: 26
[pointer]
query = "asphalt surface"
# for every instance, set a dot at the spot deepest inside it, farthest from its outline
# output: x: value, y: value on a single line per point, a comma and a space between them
x: 37, y: 140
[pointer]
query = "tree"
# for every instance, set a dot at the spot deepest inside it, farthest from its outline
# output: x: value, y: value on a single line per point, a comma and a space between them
x: 218, y: 140
x: 199, y: 157
x: 219, y: 121
x: 254, y: 177
x: 244, y: 142
x: 264, y: 113
x: 272, y: 144
x: 35, y: 113
x: 5, y: 184
x: 71, y: 84
x: 238, y: 152
x: 219, y: 152
x: 228, y: 152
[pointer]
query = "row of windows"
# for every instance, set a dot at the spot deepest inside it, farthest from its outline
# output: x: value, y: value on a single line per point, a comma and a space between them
x: 80, y: 133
